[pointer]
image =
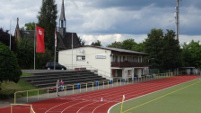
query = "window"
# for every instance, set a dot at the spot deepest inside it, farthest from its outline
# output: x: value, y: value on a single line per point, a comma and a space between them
x: 80, y: 58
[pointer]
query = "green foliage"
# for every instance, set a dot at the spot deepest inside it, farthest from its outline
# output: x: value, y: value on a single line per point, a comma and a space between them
x: 81, y: 41
x: 128, y: 44
x: 170, y: 54
x: 139, y: 47
x: 47, y: 19
x: 30, y: 26
x: 5, y: 39
x: 164, y: 48
x: 25, y: 53
x: 9, y: 88
x: 153, y: 46
x: 191, y: 54
x: 97, y: 43
x: 115, y: 45
x: 26, y: 74
x: 9, y: 68
x: 42, y: 59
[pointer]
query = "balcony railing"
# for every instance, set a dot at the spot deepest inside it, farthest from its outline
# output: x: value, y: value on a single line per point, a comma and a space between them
x: 129, y: 64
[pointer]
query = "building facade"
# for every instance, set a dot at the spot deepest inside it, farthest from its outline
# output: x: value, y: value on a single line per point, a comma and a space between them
x: 109, y: 62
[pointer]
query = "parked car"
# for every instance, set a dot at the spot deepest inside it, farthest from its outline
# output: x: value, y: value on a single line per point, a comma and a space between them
x: 50, y: 65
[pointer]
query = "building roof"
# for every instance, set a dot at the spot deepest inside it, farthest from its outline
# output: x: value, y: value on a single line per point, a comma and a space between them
x: 27, y: 33
x: 121, y: 50
x: 116, y: 50
x: 66, y: 41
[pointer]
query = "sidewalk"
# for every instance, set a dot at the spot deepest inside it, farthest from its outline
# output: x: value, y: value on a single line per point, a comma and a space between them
x: 5, y: 103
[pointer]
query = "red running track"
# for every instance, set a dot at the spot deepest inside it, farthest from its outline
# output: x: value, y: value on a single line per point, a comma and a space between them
x: 100, y: 101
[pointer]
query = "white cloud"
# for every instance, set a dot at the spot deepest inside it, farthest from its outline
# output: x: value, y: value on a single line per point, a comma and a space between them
x: 188, y: 38
x: 110, y: 38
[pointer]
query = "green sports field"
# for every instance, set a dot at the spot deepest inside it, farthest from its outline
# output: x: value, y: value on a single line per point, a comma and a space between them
x: 183, y: 98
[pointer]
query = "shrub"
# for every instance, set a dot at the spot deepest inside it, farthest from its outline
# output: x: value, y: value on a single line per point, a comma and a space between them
x: 9, y: 68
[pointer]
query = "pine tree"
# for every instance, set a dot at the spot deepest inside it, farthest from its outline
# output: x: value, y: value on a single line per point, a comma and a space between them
x: 47, y: 19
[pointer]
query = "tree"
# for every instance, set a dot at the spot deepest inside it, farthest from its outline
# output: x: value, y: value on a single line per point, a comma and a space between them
x: 47, y: 19
x: 30, y: 26
x: 82, y: 42
x: 153, y: 46
x: 115, y: 45
x: 97, y: 43
x: 139, y: 47
x: 164, y: 49
x: 191, y: 54
x: 5, y: 39
x: 170, y: 54
x: 25, y: 53
x: 128, y: 44
x: 9, y: 68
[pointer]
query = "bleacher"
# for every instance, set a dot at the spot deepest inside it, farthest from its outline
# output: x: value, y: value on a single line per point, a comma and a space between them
x: 48, y: 78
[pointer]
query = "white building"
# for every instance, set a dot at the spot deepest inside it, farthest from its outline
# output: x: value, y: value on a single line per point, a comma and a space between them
x: 109, y: 62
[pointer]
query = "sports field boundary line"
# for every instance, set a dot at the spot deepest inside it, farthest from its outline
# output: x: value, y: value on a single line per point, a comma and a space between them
x: 154, y: 92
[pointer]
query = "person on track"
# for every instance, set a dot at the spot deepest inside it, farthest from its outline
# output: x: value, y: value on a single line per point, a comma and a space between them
x: 62, y: 84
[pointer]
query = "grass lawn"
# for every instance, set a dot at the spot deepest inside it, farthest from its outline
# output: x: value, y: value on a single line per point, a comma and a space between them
x: 183, y: 98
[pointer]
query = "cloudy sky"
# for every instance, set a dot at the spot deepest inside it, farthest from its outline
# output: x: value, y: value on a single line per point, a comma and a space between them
x: 111, y: 20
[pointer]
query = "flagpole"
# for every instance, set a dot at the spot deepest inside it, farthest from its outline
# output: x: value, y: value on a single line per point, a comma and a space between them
x: 35, y: 48
x: 54, y: 56
x: 10, y: 33
x: 55, y: 47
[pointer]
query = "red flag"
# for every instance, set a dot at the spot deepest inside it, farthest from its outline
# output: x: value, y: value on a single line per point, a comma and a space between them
x: 40, y: 45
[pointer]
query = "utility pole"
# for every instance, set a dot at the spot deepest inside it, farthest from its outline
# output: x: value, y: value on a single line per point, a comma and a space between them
x: 177, y: 19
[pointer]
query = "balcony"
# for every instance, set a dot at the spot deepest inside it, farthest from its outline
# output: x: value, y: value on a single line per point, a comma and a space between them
x: 129, y: 64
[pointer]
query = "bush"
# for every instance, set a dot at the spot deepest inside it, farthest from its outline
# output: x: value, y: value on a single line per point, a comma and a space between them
x: 9, y: 68
x: 8, y: 89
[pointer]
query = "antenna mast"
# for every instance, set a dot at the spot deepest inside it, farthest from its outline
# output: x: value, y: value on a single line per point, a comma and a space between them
x: 177, y: 19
